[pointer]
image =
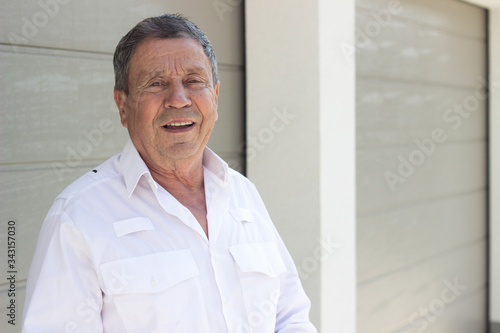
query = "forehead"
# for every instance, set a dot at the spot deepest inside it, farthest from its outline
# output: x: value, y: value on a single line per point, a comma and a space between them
x: 173, y: 54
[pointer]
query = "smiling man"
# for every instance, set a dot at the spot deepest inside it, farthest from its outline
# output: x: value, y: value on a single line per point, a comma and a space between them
x: 169, y: 108
x: 163, y: 237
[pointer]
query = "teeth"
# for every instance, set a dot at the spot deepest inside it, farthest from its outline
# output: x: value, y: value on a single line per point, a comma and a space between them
x: 181, y: 123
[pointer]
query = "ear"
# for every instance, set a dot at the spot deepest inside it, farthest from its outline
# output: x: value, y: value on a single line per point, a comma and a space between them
x: 120, y: 99
x: 217, y: 100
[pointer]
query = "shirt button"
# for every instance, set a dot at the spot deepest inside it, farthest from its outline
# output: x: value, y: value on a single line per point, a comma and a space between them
x: 224, y: 300
x: 154, y: 281
x: 270, y: 268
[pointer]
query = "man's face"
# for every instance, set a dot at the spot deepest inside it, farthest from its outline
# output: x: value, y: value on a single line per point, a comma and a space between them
x: 171, y: 107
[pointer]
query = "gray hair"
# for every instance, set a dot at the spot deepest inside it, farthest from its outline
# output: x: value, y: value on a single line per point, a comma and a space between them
x: 161, y: 27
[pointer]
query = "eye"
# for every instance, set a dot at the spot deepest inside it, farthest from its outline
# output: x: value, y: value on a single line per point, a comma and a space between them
x: 154, y: 86
x: 195, y: 79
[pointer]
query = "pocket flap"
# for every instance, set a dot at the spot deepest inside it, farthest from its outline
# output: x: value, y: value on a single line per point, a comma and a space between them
x: 258, y: 257
x: 242, y: 215
x: 135, y: 224
x: 150, y: 273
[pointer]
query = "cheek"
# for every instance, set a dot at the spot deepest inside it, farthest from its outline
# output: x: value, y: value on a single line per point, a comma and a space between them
x: 206, y: 105
x: 213, y: 106
x: 144, y: 113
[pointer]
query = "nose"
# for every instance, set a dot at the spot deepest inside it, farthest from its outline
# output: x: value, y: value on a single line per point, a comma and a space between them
x: 177, y: 96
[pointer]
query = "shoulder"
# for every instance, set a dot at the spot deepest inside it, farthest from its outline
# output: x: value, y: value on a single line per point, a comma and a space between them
x: 245, y: 193
x: 93, y: 181
x: 239, y: 181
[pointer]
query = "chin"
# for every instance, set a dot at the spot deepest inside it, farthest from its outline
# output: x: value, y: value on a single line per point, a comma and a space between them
x: 181, y: 151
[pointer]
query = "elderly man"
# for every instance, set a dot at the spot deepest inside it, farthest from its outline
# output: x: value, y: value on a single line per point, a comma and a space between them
x: 163, y: 237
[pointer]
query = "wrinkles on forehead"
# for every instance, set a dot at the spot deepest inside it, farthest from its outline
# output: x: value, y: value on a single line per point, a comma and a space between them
x: 152, y: 61
x: 178, y: 70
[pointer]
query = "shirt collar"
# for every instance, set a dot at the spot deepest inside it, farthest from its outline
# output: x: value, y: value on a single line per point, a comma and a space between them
x: 133, y: 167
x: 216, y: 166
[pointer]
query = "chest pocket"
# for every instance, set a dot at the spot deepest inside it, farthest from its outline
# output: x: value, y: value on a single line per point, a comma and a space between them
x: 259, y: 269
x: 260, y: 258
x: 156, y: 292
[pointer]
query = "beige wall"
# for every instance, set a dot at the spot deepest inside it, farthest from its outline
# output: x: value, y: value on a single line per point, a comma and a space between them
x: 421, y: 237
x: 57, y: 115
x: 277, y: 70
x: 421, y: 167
x: 305, y: 170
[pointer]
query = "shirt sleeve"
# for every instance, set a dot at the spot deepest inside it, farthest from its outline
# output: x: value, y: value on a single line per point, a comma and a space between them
x: 63, y: 293
x: 293, y: 305
x: 292, y: 314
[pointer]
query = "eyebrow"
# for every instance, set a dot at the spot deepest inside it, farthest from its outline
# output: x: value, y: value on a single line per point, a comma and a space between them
x: 188, y: 70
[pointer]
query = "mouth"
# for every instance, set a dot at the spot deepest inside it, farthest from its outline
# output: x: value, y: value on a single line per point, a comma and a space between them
x: 180, y: 126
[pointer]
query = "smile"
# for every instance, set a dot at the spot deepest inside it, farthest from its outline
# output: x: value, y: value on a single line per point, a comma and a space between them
x: 180, y: 124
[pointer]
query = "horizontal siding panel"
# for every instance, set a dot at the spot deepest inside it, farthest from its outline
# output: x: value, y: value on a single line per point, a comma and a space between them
x: 414, y: 233
x: 100, y: 25
x: 451, y: 169
x: 465, y: 19
x: 464, y: 316
x: 55, y: 106
x: 387, y: 304
x: 27, y: 193
x: 421, y: 164
x: 424, y: 55
x: 228, y: 133
x: 59, y: 107
x: 394, y: 112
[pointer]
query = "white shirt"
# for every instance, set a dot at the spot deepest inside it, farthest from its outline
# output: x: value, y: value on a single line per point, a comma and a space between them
x: 118, y: 253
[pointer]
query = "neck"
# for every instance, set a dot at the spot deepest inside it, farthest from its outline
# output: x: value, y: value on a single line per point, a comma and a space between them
x: 184, y: 181
x: 182, y: 176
